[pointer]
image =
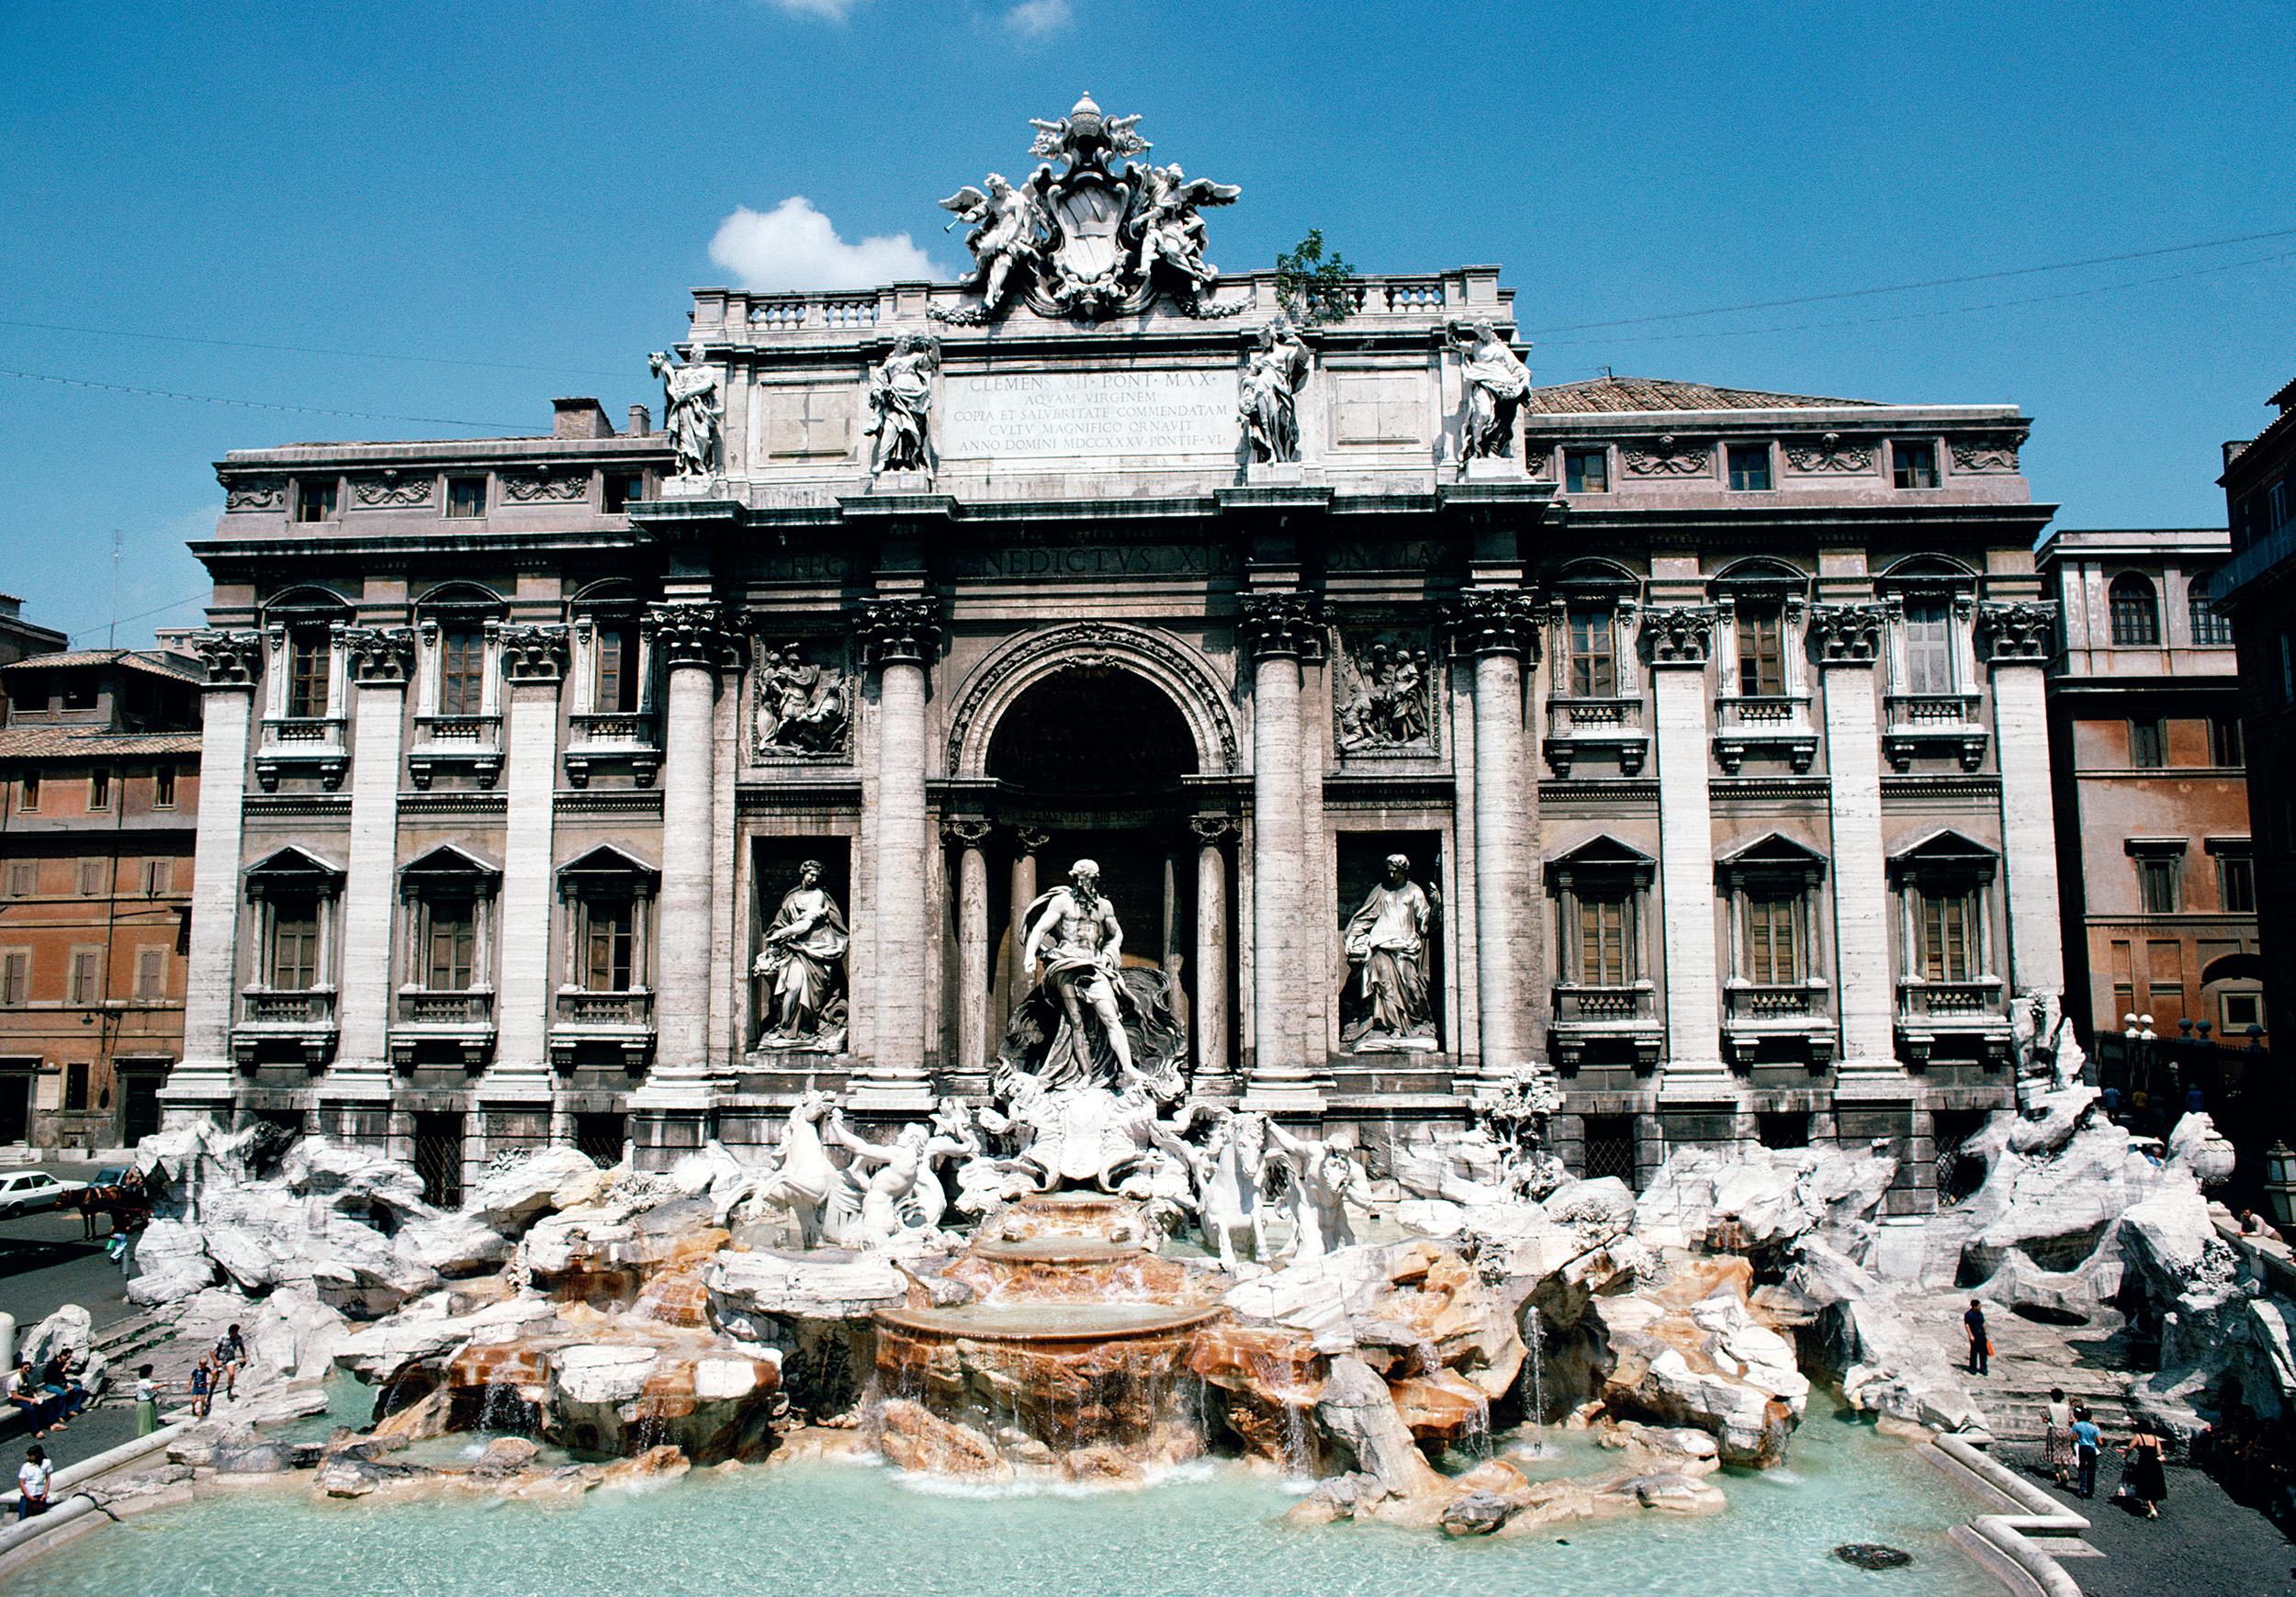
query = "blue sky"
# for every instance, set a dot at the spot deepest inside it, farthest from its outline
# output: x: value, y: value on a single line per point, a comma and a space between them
x: 506, y: 187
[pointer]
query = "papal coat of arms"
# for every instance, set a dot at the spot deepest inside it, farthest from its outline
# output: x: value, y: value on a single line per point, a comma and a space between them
x: 1081, y: 238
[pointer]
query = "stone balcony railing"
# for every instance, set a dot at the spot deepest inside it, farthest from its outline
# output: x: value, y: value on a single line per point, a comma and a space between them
x: 301, y: 745
x: 1773, y: 725
x: 1623, y: 1015
x: 580, y: 1006
x: 1969, y: 1010
x: 1576, y: 726
x: 457, y: 1021
x: 1796, y: 1013
x: 1933, y: 724
x: 301, y: 1019
x: 456, y: 742
x: 436, y: 1006
x: 623, y: 1021
x: 625, y: 738
x: 814, y: 312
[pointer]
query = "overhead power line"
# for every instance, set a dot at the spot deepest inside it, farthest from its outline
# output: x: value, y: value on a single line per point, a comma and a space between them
x: 435, y: 360
x: 1926, y: 315
x: 1910, y: 287
x: 143, y: 614
x: 512, y: 427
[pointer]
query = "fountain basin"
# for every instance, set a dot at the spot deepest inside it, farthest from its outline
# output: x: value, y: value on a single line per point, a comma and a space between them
x: 1044, y: 1322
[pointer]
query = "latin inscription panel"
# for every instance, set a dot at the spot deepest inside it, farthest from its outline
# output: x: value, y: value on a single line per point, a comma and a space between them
x: 1050, y: 415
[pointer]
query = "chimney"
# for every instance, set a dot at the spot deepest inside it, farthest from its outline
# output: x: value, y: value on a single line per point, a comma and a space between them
x: 580, y: 419
x: 641, y: 423
x: 10, y: 604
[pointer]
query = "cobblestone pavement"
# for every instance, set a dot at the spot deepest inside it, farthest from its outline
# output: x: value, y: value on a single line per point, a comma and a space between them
x: 2204, y: 1545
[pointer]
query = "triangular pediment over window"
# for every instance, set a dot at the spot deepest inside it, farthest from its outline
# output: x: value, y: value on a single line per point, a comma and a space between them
x: 293, y: 865
x: 1944, y: 852
x: 447, y: 863
x: 1604, y: 857
x: 1771, y: 854
x: 607, y: 865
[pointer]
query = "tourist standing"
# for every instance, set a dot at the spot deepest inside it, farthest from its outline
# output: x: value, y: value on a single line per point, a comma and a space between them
x: 2087, y: 1440
x: 202, y: 1382
x: 147, y: 1401
x: 2056, y: 1440
x: 1980, y: 1344
x: 230, y: 1354
x: 2142, y: 1479
x: 33, y: 1482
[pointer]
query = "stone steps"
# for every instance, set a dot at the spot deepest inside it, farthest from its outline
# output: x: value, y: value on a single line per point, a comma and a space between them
x: 2017, y: 1415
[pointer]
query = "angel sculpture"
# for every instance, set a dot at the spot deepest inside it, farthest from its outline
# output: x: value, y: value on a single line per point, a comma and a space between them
x: 1171, y: 233
x: 1008, y: 233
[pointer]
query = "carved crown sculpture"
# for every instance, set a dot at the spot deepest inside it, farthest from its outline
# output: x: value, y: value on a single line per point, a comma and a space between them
x: 695, y: 632
x: 1680, y: 635
x: 1282, y: 623
x: 2017, y: 631
x: 378, y: 654
x: 1495, y: 621
x: 534, y: 654
x: 899, y: 629
x: 232, y: 659
x: 1847, y: 633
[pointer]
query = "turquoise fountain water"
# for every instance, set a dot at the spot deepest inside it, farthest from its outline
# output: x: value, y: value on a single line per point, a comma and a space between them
x: 852, y: 1529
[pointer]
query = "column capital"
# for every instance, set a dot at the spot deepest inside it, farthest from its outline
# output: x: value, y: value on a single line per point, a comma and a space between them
x: 967, y: 831
x: 534, y: 654
x: 379, y: 655
x: 1679, y: 635
x: 232, y: 659
x: 695, y: 632
x: 1278, y: 624
x: 1847, y: 635
x: 1494, y: 621
x: 1029, y: 841
x: 898, y: 631
x: 1211, y: 830
x: 2015, y: 633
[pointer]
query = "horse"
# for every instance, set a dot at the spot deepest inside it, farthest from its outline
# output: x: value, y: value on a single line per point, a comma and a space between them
x: 805, y: 1176
x: 1234, y: 1162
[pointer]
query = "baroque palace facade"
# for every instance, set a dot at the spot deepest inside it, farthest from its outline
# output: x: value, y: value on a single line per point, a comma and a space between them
x: 612, y: 785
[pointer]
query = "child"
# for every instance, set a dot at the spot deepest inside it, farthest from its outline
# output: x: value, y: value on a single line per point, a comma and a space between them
x: 201, y: 1382
x: 33, y: 1482
x: 147, y: 1401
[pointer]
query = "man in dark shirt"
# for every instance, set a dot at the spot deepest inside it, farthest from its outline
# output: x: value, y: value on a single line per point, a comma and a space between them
x: 1980, y: 1345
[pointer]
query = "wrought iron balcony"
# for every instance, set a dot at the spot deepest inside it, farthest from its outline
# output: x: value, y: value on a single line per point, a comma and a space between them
x: 1575, y: 725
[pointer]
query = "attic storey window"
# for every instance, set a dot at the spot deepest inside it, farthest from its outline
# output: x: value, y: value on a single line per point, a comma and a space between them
x: 1586, y: 470
x: 1913, y: 463
x: 315, y: 499
x: 466, y: 498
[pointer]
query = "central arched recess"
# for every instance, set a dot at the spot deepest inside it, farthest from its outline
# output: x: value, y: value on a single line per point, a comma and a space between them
x: 1092, y: 761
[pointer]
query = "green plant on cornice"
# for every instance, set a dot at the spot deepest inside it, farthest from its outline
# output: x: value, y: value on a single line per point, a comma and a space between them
x: 1312, y: 288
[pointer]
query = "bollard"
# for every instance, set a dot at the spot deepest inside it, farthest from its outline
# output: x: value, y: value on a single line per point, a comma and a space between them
x: 7, y: 1340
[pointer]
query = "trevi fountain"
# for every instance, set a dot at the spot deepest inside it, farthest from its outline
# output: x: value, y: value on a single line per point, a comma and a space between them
x: 1080, y: 1315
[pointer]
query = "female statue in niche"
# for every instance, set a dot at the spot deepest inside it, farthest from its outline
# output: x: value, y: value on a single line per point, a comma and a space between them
x: 1386, y: 944
x: 803, y: 964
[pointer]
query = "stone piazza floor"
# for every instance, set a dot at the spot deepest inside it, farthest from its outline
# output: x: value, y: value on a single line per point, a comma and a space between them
x: 2204, y: 1544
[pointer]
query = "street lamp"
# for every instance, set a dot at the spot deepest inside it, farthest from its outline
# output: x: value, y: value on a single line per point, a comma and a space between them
x: 2136, y: 1031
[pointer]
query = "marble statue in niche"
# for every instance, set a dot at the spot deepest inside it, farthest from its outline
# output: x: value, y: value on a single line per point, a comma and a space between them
x: 803, y: 966
x: 802, y: 708
x: 1272, y: 379
x: 1389, y: 1007
x: 1384, y: 697
x: 901, y: 396
x: 1090, y: 1020
x: 1496, y: 383
x: 690, y: 413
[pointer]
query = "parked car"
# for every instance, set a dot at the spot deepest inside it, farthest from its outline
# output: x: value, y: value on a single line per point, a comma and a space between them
x: 31, y: 1191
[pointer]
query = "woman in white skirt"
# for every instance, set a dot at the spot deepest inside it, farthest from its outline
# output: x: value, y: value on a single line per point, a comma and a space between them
x: 2056, y: 1437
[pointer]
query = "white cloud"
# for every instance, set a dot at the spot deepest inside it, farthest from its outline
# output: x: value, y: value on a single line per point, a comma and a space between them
x: 827, y: 10
x: 1038, y: 18
x: 794, y: 246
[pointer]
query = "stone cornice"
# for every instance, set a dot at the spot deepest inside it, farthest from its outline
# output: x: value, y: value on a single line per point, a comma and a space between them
x: 1280, y: 624
x: 898, y: 631
x: 1495, y: 621
x: 1847, y: 635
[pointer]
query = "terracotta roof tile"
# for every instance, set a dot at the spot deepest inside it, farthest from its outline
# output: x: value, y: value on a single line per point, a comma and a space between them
x: 77, y: 743
x: 1606, y: 395
x: 158, y: 662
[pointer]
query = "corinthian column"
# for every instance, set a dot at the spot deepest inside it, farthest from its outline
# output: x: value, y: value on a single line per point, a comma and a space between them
x: 227, y: 707
x: 695, y: 639
x: 1678, y: 638
x: 898, y: 636
x: 1496, y: 628
x: 970, y: 835
x: 2015, y: 639
x: 534, y: 661
x: 1278, y: 630
x: 1847, y: 641
x: 378, y: 660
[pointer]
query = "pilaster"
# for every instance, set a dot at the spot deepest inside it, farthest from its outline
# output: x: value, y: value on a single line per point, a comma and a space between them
x: 1678, y: 639
x: 378, y: 661
x: 1846, y: 641
x: 202, y: 1082
x: 534, y: 662
x: 2016, y: 640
